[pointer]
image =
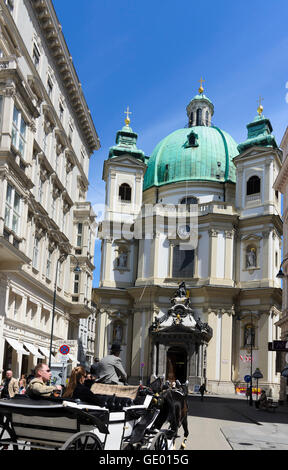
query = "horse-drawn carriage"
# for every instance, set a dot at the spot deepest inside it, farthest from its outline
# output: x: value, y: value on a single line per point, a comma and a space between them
x: 66, y: 424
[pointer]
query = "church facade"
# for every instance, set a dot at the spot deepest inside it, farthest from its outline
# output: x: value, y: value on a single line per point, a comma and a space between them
x: 201, y: 211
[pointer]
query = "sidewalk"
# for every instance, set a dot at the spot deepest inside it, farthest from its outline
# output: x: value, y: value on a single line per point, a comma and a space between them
x: 242, y: 427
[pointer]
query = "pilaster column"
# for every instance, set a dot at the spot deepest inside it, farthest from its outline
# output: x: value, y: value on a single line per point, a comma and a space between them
x: 156, y: 254
x: 265, y: 255
x: 228, y: 269
x: 108, y: 260
x: 213, y: 236
x: 7, y: 116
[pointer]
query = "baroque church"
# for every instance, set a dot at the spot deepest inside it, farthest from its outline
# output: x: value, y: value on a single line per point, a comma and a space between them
x: 202, y: 311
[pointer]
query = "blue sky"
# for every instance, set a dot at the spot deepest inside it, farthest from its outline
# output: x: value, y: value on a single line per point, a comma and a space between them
x: 151, y: 55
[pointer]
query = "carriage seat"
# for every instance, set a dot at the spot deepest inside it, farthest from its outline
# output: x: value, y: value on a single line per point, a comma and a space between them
x: 120, y: 391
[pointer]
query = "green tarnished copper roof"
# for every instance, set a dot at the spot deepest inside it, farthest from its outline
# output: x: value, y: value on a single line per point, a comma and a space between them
x: 259, y: 133
x: 207, y: 156
x: 202, y: 97
x: 126, y: 141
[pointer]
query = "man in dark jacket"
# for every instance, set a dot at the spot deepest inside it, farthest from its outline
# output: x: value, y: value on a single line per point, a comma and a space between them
x: 10, y: 385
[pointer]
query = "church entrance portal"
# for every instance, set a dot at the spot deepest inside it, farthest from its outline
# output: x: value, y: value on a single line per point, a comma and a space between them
x: 176, y: 364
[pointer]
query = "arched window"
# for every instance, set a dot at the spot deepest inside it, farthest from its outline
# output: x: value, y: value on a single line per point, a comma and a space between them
x: 166, y: 173
x: 199, y: 117
x: 125, y: 192
x: 253, y: 185
x: 191, y: 120
x: 189, y: 200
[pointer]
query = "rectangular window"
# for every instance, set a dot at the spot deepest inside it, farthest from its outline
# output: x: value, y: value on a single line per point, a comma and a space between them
x: 18, y: 132
x: 36, y: 56
x: 79, y: 235
x: 76, y: 283
x: 48, y: 265
x: 61, y: 112
x: 183, y: 263
x: 12, y: 209
x: 35, y: 253
x: 70, y: 133
x: 10, y: 5
x: 1, y: 112
x: 45, y: 142
x: 53, y: 208
x: 40, y: 191
x: 49, y: 87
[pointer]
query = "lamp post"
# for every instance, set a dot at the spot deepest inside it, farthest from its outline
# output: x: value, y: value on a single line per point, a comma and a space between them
x: 257, y: 375
x: 280, y: 274
x: 76, y: 270
x: 251, y: 359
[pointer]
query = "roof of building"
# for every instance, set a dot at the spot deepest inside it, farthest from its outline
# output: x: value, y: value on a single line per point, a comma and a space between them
x: 199, y: 153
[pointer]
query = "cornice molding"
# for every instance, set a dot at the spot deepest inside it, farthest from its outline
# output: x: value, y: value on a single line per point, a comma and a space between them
x: 55, y: 40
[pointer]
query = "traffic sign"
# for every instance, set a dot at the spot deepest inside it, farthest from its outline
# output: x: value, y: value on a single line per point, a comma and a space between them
x: 279, y: 346
x: 64, y: 349
x: 247, y: 378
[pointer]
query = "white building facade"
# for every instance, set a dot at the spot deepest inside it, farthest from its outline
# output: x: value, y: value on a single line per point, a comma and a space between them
x: 47, y: 138
x: 230, y: 273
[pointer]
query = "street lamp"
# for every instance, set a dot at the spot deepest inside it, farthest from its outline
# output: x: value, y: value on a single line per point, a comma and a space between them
x: 257, y: 375
x: 76, y: 270
x: 251, y: 360
x: 280, y: 274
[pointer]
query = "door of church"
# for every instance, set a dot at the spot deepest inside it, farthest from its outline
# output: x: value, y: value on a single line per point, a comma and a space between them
x: 176, y: 365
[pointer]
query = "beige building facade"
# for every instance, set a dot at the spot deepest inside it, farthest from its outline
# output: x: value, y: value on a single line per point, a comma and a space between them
x: 229, y: 270
x: 281, y: 185
x: 47, y: 138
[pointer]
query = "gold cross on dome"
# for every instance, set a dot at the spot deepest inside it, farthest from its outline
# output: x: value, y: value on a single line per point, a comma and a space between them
x: 201, y: 89
x: 260, y: 107
x: 127, y: 112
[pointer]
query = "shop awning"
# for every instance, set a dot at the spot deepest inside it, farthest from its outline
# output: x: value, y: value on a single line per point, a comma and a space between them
x: 17, y: 346
x: 33, y: 350
x: 45, y: 351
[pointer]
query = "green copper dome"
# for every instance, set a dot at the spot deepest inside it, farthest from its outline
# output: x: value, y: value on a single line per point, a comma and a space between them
x: 199, y: 153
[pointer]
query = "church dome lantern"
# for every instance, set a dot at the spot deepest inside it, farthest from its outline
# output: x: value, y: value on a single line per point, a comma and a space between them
x: 200, y: 109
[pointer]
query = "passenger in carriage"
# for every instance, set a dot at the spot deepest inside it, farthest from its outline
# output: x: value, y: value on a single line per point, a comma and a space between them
x: 38, y: 387
x: 76, y: 388
x: 110, y: 369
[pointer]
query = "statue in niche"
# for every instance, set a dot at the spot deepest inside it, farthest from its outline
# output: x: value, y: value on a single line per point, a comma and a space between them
x: 251, y: 258
x: 117, y: 333
x: 122, y: 260
x: 249, y: 335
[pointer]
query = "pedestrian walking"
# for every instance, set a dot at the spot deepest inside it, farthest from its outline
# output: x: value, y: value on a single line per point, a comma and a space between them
x: 202, y: 390
x: 10, y: 385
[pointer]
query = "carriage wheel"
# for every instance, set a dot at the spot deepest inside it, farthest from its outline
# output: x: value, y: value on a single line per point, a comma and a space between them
x: 159, y: 442
x: 83, y: 441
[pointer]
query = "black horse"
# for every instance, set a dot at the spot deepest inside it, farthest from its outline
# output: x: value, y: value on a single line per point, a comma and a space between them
x: 173, y: 409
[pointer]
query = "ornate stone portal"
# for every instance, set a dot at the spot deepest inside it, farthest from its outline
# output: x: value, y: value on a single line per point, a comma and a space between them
x: 179, y: 342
